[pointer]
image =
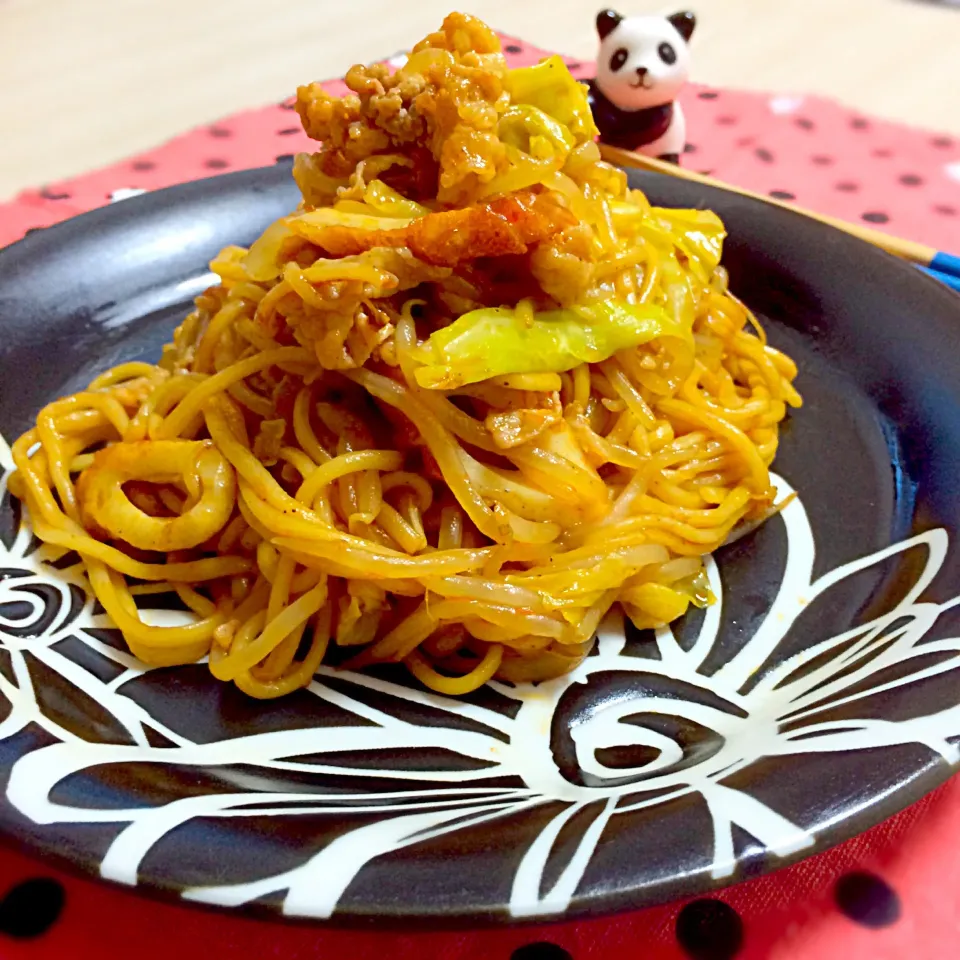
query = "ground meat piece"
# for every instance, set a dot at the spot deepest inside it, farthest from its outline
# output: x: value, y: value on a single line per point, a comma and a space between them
x: 564, y: 265
x: 447, y: 101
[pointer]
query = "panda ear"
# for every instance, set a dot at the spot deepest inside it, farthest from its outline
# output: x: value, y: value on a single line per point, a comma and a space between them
x: 607, y: 21
x: 684, y: 21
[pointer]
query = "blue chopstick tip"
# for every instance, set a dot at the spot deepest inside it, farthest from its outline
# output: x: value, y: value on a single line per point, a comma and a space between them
x: 947, y: 263
x: 945, y: 278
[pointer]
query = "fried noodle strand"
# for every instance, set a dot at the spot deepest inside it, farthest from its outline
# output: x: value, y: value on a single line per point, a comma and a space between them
x: 472, y: 393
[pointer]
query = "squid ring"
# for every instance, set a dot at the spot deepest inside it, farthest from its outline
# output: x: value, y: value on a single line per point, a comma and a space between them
x: 197, y: 465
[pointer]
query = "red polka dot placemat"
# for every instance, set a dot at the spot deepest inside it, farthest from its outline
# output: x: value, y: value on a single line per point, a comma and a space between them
x: 808, y: 149
x: 892, y: 893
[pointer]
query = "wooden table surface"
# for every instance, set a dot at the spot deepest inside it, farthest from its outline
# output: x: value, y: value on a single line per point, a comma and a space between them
x: 84, y: 83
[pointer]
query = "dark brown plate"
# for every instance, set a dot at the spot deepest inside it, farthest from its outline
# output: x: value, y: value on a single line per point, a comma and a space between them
x: 820, y: 696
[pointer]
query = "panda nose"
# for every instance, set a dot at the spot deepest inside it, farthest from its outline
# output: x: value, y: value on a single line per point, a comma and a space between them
x: 642, y: 72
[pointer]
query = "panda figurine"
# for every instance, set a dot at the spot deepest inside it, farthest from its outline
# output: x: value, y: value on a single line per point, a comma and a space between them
x: 642, y: 64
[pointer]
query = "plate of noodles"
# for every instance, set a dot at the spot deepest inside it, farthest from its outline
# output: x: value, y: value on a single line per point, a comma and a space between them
x: 454, y: 526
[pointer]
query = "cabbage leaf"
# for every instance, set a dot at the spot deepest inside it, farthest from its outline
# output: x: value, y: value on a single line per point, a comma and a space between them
x: 497, y: 341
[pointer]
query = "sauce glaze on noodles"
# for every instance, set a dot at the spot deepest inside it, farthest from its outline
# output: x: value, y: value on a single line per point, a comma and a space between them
x: 285, y: 471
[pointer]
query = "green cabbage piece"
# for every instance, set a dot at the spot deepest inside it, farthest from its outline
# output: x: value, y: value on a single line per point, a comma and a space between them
x: 698, y: 233
x: 550, y: 86
x: 496, y: 341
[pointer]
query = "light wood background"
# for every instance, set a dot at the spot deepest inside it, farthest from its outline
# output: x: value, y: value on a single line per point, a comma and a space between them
x: 84, y: 83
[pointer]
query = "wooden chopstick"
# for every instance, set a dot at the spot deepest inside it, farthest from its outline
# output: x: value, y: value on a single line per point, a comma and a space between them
x: 919, y: 253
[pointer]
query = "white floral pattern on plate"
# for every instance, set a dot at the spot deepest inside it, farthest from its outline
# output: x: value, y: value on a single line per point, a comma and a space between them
x: 752, y: 716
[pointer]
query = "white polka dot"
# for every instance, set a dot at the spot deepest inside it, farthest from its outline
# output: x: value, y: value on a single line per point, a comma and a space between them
x: 780, y: 105
x: 124, y: 193
x: 952, y: 170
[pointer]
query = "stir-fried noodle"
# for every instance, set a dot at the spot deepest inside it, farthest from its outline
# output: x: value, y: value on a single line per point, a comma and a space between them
x: 469, y: 395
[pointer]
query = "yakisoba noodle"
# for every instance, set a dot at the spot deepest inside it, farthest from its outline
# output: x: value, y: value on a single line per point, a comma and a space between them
x: 471, y: 394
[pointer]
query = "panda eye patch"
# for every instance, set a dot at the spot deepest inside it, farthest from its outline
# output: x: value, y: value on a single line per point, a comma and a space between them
x: 667, y: 54
x: 618, y: 59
